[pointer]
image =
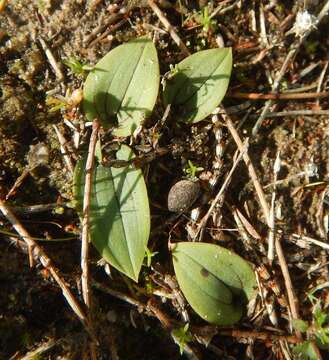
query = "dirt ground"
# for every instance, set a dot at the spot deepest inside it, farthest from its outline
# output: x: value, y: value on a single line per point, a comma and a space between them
x: 289, y: 152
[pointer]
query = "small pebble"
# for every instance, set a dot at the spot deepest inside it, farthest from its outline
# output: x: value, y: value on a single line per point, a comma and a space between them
x: 182, y: 195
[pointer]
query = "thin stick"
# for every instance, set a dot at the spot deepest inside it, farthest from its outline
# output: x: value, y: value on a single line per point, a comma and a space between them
x: 259, y: 335
x: 118, y: 294
x: 292, y: 298
x: 41, y: 349
x: 298, y: 113
x: 312, y: 241
x: 279, y: 96
x: 44, y: 259
x: 271, y: 235
x: 107, y: 32
x: 168, y: 27
x: 321, y: 78
x: 18, y: 182
x: 85, y: 221
x: 52, y: 61
x: 204, y: 220
x: 251, y: 169
x: 104, y: 23
x: 63, y: 148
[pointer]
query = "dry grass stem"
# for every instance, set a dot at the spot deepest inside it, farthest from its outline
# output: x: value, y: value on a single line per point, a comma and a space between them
x: 321, y: 78
x: 168, y: 27
x: 292, y: 298
x: 271, y: 235
x: 226, y: 182
x: 45, y: 261
x: 298, y: 113
x: 312, y: 241
x: 259, y: 335
x: 104, y: 23
x: 279, y: 96
x: 18, y: 183
x: 251, y: 169
x: 85, y: 220
x: 64, y: 151
x: 52, y: 61
x: 40, y: 350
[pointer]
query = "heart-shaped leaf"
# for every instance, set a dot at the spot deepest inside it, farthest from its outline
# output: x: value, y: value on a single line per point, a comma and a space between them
x: 199, y: 84
x: 216, y: 282
x: 119, y: 213
x: 122, y: 88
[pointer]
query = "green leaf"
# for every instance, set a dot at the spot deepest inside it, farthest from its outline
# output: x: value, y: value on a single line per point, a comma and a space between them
x: 305, y: 351
x: 300, y: 325
x: 199, y: 84
x: 122, y: 88
x: 119, y: 213
x: 216, y: 282
x: 182, y: 337
x: 320, y: 316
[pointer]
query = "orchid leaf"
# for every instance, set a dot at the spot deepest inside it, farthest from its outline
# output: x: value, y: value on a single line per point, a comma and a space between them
x: 198, y: 84
x: 119, y: 213
x: 216, y: 282
x: 122, y: 88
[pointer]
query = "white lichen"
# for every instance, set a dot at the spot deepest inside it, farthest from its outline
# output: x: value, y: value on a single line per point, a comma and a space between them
x: 303, y: 23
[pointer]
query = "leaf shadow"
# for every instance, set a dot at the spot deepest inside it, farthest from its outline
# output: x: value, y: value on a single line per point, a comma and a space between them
x: 110, y: 111
x: 185, y: 91
x: 105, y: 218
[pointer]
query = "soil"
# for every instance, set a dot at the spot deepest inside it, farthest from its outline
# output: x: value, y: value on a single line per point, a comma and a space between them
x: 33, y: 311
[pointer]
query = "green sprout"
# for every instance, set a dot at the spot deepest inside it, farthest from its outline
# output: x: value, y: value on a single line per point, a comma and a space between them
x: 55, y: 104
x: 182, y: 336
x: 317, y: 331
x: 149, y: 255
x: 77, y: 67
x: 191, y: 170
x: 205, y: 20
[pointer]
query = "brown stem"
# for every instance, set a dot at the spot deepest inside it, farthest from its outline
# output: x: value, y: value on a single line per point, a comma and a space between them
x: 278, y: 96
x: 85, y: 220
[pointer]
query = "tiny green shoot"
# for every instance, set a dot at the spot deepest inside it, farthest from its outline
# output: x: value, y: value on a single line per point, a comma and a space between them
x: 204, y: 19
x: 182, y: 336
x: 77, y: 68
x: 317, y: 331
x: 149, y: 255
x: 55, y: 104
x: 191, y: 170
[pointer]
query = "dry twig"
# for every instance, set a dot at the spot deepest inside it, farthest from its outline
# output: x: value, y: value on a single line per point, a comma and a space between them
x: 85, y: 220
x: 40, y: 350
x: 259, y: 335
x: 44, y: 259
x: 292, y: 298
x: 251, y: 169
x: 227, y: 180
x: 52, y: 61
x: 168, y: 27
x: 64, y: 151
x: 298, y: 113
x: 279, y: 96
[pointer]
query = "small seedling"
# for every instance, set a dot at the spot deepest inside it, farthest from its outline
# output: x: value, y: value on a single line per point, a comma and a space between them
x: 208, y: 24
x: 55, y: 104
x: 191, y: 170
x: 182, y: 336
x: 149, y: 255
x: 77, y: 67
x: 317, y: 332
